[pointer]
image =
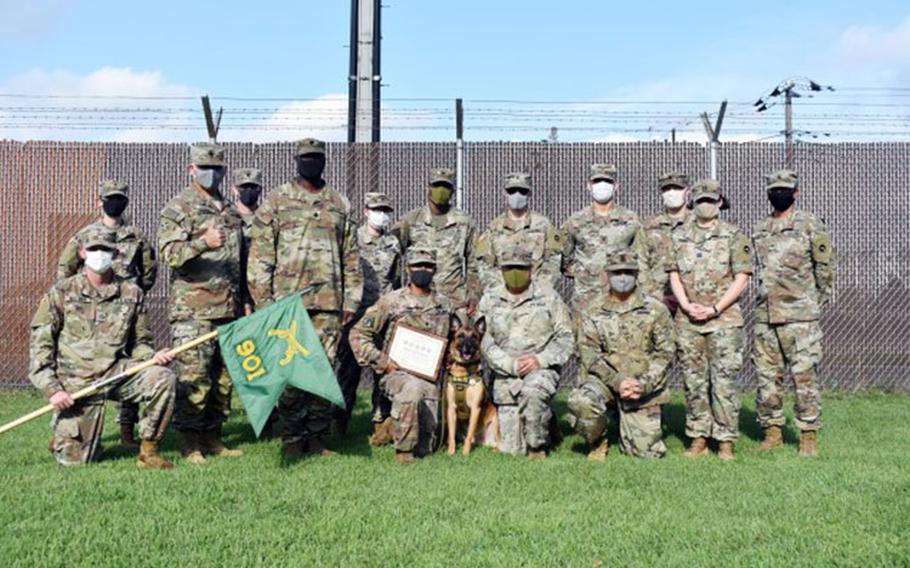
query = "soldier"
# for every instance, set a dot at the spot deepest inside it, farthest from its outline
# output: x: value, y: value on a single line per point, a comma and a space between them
x: 709, y: 268
x: 90, y: 326
x: 304, y: 239
x: 415, y: 401
x: 626, y: 344
x: 200, y: 237
x: 135, y: 260
x: 380, y: 262
x: 674, y: 190
x: 796, y: 261
x: 529, y: 337
x: 247, y: 189
x: 519, y: 226
x: 443, y: 227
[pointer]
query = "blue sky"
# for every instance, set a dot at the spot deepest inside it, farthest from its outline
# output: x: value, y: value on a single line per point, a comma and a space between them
x: 574, y: 50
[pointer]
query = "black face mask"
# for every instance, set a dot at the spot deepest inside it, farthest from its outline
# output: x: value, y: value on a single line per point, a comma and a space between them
x: 114, y: 206
x: 781, y: 200
x: 249, y: 196
x: 310, y: 167
x: 422, y: 278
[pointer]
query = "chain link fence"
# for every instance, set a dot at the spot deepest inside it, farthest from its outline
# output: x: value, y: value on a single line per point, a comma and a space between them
x: 859, y: 189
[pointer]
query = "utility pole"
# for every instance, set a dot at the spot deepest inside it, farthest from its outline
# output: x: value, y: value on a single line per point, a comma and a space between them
x: 788, y: 125
x: 789, y: 90
x: 713, y: 133
x: 364, y: 79
x: 212, y: 124
x: 459, y: 153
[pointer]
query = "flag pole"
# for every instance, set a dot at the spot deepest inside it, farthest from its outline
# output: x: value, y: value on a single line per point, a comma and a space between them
x: 95, y: 387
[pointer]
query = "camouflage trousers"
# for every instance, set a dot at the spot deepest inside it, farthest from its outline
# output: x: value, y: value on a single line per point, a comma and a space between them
x: 415, y: 409
x: 127, y: 412
x: 709, y: 364
x: 306, y: 415
x: 348, y: 372
x: 797, y: 346
x: 203, y: 386
x: 524, y: 410
x: 640, y: 432
x: 77, y: 430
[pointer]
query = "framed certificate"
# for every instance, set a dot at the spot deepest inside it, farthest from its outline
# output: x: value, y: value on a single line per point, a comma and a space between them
x: 417, y: 352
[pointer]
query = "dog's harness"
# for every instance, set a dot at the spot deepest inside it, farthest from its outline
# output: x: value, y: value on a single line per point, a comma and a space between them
x: 461, y: 379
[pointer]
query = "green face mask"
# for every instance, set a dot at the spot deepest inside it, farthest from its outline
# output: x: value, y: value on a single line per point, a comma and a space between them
x: 440, y: 195
x: 517, y: 278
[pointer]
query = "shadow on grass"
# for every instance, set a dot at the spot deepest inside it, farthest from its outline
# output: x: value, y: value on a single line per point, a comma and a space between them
x: 749, y: 427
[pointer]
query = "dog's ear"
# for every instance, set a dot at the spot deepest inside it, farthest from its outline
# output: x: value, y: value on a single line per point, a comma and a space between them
x: 455, y: 323
x: 480, y: 324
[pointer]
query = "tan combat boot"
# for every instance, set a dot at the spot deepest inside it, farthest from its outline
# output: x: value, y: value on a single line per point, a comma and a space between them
x: 808, y: 444
x: 382, y: 433
x: 773, y: 439
x: 149, y: 458
x: 405, y: 458
x: 315, y: 446
x: 537, y: 455
x: 211, y: 445
x: 725, y: 451
x: 189, y: 447
x: 127, y: 439
x: 697, y: 449
x: 599, y: 453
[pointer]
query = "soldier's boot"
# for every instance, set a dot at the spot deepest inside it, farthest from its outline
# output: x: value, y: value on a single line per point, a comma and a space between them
x: 127, y: 438
x: 697, y: 449
x: 405, y: 458
x: 189, y: 448
x: 537, y: 455
x: 382, y: 432
x: 808, y: 444
x: 599, y: 452
x: 725, y: 451
x: 149, y: 458
x: 295, y: 450
x: 773, y: 439
x: 315, y: 446
x: 211, y: 445
x: 556, y: 436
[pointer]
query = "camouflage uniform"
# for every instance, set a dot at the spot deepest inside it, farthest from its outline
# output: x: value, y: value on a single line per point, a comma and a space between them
x: 415, y: 401
x: 658, y: 230
x: 796, y: 261
x: 135, y: 261
x: 532, y: 232
x: 82, y: 334
x: 710, y: 352
x: 246, y: 176
x: 305, y: 240
x: 452, y: 236
x: 535, y: 322
x: 618, y: 340
x: 204, y: 293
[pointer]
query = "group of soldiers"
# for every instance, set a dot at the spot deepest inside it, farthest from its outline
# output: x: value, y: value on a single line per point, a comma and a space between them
x: 645, y: 294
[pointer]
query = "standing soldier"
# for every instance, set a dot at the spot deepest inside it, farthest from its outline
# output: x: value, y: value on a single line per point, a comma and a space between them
x: 88, y: 327
x: 415, y: 401
x: 709, y: 268
x: 626, y: 345
x: 247, y: 189
x: 674, y: 189
x: 443, y: 227
x: 199, y: 237
x: 304, y: 240
x: 529, y: 337
x: 521, y: 227
x: 795, y: 261
x: 135, y: 260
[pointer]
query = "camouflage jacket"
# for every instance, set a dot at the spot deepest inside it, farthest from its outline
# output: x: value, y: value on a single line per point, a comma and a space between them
x: 629, y: 339
x: 247, y: 230
x: 303, y: 239
x: 795, y: 263
x: 205, y: 283
x: 380, y: 262
x: 707, y: 261
x: 534, y: 233
x: 658, y: 230
x: 452, y: 237
x: 590, y: 238
x: 135, y: 258
x: 80, y: 332
x: 535, y: 322
x: 370, y: 336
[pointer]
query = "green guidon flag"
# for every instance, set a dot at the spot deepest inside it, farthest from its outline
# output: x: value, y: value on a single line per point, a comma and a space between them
x: 273, y: 348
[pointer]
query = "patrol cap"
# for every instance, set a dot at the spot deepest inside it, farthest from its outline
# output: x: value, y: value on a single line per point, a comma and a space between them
x: 109, y: 187
x: 515, y: 257
x: 244, y: 176
x: 782, y: 179
x: 377, y: 200
x: 518, y: 179
x: 206, y: 154
x: 602, y: 171
x: 421, y: 255
x: 706, y: 188
x: 623, y: 259
x: 310, y: 146
x: 100, y: 239
x: 673, y: 179
x: 442, y: 175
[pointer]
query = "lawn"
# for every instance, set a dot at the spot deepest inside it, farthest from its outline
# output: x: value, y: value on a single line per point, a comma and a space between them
x: 851, y: 506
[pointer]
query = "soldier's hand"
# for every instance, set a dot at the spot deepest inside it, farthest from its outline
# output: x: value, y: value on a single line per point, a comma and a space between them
x: 391, y: 367
x: 163, y: 357
x: 214, y: 237
x: 630, y: 389
x: 61, y: 400
x: 247, y: 309
x: 527, y: 364
x: 347, y: 318
x: 700, y: 312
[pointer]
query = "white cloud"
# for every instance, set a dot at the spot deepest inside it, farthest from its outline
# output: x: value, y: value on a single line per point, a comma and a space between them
x: 31, y: 20
x: 885, y: 50
x: 324, y: 117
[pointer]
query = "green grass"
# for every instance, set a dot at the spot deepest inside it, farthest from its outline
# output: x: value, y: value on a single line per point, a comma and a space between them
x: 849, y: 507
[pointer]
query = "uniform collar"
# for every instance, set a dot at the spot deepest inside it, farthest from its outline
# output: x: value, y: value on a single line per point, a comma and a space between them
x: 519, y: 223
x: 636, y: 301
x: 105, y: 292
x: 427, y: 216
